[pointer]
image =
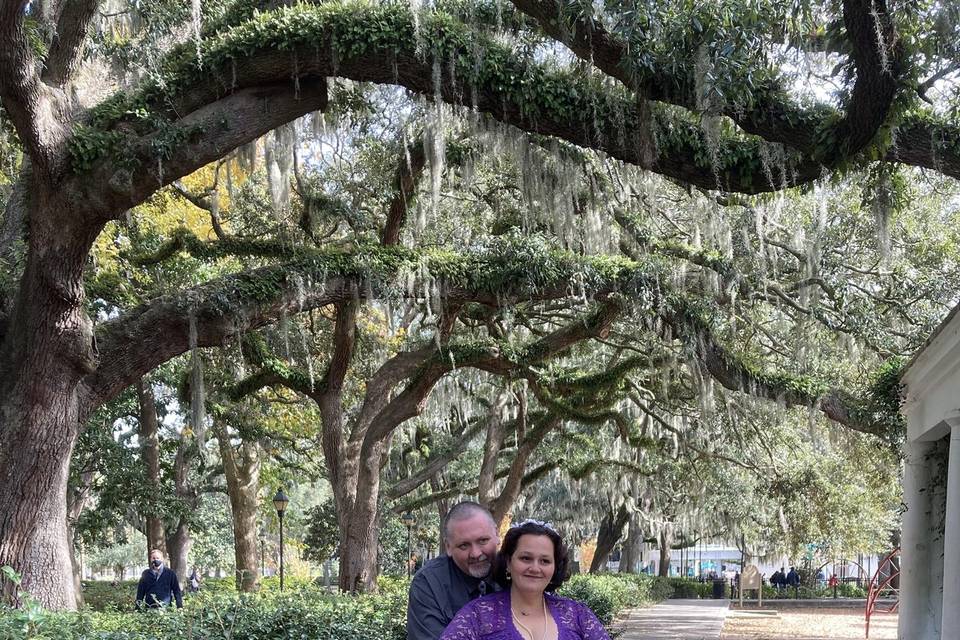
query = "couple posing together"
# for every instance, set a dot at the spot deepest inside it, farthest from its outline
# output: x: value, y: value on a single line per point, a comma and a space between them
x: 475, y: 592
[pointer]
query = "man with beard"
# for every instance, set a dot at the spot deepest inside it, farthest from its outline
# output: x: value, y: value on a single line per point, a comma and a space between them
x: 450, y: 581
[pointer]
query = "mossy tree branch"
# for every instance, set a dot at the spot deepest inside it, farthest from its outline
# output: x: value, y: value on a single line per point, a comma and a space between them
x: 436, y: 462
x: 735, y: 374
x: 592, y: 391
x: 409, y: 170
x: 825, y: 137
x: 66, y: 49
x: 745, y: 285
x: 253, y: 61
x: 529, y: 478
x: 491, y: 358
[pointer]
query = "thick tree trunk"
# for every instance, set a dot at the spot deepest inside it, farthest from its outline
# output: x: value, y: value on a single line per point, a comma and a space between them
x: 150, y: 452
x: 245, y: 542
x: 180, y: 540
x: 631, y: 560
x: 242, y: 472
x: 611, y: 529
x: 358, y: 532
x: 77, y: 576
x: 493, y: 443
x: 44, y: 354
x: 38, y: 430
x: 77, y: 499
x: 178, y: 548
x: 666, y: 539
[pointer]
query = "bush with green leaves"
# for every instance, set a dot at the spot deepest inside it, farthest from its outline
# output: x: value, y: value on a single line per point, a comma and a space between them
x: 610, y: 593
x: 216, y: 616
x: 687, y: 588
x: 103, y: 596
x: 302, y: 611
x: 845, y: 590
x: 110, y: 597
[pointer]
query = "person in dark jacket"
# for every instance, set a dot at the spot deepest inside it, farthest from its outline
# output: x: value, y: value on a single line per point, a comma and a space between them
x: 158, y: 585
x: 446, y: 583
x: 777, y: 579
x: 793, y: 580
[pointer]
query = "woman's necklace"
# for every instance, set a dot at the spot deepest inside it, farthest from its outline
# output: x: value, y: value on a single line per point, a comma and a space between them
x: 526, y: 630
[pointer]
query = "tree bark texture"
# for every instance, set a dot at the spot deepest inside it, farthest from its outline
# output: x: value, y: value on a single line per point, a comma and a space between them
x: 242, y: 470
x: 631, y: 560
x: 77, y: 500
x: 44, y: 355
x: 493, y: 443
x: 178, y: 548
x: 150, y: 453
x: 666, y: 539
x: 611, y: 530
x: 358, y: 528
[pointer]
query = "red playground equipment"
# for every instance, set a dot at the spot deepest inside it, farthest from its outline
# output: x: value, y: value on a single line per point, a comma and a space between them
x: 884, y: 593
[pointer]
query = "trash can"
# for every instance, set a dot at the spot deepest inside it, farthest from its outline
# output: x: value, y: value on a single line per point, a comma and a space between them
x: 719, y: 588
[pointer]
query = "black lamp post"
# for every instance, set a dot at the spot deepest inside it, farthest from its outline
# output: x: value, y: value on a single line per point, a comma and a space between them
x: 280, y: 504
x: 409, y: 521
x: 263, y: 567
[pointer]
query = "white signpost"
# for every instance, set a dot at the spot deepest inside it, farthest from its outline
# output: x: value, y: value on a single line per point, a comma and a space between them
x: 750, y: 579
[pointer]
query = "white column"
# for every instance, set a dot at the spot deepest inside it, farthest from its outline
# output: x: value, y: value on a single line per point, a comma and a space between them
x: 916, y: 616
x: 951, y: 544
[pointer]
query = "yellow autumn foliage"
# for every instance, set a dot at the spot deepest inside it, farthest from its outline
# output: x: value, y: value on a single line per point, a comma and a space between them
x: 165, y: 212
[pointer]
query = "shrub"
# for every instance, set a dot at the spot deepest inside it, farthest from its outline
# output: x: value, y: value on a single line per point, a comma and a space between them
x: 104, y: 596
x: 609, y: 593
x: 850, y: 590
x: 212, y: 616
x: 686, y: 588
x: 388, y: 585
x: 846, y: 590
x: 302, y: 611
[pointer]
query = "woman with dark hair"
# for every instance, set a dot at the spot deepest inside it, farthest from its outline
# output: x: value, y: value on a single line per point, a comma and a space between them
x: 531, y: 564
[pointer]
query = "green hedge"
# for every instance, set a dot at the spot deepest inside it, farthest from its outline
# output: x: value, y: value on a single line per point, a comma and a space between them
x: 303, y: 612
x: 101, y: 596
x: 689, y: 588
x: 846, y: 590
x: 609, y: 593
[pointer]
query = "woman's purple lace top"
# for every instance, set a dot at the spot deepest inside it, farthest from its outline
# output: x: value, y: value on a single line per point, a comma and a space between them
x: 488, y: 618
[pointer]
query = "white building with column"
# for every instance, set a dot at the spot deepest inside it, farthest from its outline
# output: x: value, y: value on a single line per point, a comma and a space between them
x: 930, y: 560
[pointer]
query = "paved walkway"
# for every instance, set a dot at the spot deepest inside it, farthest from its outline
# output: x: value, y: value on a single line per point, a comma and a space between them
x: 677, y: 620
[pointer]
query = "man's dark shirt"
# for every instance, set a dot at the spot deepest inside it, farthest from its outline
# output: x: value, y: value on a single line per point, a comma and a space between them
x: 437, y: 592
x: 157, y: 590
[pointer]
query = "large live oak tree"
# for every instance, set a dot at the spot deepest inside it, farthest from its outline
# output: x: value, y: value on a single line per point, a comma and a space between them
x: 86, y: 167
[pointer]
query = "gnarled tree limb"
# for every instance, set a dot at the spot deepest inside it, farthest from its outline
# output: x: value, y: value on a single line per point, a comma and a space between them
x: 67, y: 47
x: 772, y: 117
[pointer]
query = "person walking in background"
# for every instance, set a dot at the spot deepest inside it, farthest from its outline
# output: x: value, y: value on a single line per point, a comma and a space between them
x: 158, y: 585
x: 833, y: 583
x: 777, y: 580
x: 793, y: 580
x: 194, y: 581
